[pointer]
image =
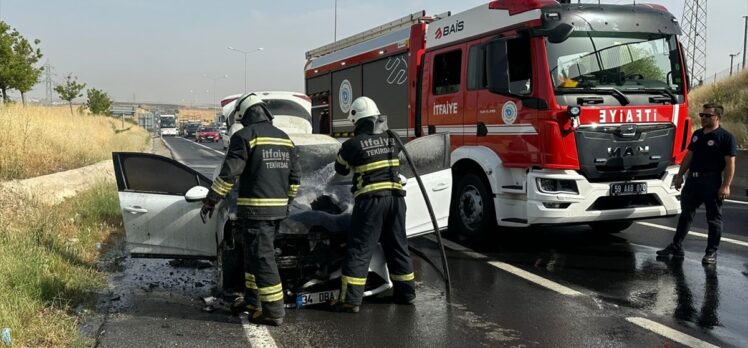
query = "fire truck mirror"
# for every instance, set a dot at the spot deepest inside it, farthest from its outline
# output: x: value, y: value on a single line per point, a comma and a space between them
x: 560, y: 33
x: 497, y: 66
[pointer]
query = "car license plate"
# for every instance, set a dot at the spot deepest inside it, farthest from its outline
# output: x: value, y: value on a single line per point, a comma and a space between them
x: 628, y: 188
x: 314, y: 298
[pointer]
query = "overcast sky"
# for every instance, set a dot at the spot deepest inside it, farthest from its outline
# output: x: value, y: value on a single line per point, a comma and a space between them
x: 159, y: 50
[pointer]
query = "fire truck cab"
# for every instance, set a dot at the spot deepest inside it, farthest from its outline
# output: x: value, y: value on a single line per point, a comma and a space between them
x: 557, y: 113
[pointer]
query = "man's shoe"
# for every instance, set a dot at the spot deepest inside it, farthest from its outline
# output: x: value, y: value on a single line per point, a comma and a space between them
x: 709, y: 258
x: 671, y: 250
x: 257, y: 317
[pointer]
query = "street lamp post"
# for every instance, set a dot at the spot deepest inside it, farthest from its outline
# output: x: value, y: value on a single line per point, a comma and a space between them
x: 215, y: 79
x: 745, y: 39
x: 732, y: 56
x: 245, y: 53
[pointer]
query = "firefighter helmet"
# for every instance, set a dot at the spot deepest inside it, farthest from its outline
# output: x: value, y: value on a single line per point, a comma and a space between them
x: 362, y: 107
x: 243, y: 104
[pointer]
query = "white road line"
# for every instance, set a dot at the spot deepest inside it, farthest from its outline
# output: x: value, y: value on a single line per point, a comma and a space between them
x: 697, y: 234
x: 548, y: 284
x: 736, y: 202
x: 667, y: 332
x: 198, y: 144
x: 257, y: 335
x: 551, y: 285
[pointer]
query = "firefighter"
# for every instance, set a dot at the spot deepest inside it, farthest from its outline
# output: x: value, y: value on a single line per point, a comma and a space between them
x: 378, y: 211
x: 264, y: 159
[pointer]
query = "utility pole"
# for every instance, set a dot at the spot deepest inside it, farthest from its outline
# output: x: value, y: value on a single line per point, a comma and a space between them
x: 745, y: 36
x: 732, y: 56
x: 214, y: 79
x: 335, y: 26
x: 48, y: 88
x: 245, y: 53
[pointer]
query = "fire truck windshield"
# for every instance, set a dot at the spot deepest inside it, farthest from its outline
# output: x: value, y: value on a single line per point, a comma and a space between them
x: 630, y: 62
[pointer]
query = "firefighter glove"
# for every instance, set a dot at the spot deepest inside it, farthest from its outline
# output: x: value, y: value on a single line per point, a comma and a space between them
x: 206, y: 212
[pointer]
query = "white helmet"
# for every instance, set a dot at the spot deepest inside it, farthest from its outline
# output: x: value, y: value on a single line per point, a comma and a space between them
x: 362, y: 107
x: 243, y: 104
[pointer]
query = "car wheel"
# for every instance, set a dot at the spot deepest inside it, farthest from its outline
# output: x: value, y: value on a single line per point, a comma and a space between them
x: 610, y: 226
x: 472, y: 207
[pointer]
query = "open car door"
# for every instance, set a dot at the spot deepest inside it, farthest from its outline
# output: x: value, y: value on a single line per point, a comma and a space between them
x: 159, y: 220
x: 431, y: 156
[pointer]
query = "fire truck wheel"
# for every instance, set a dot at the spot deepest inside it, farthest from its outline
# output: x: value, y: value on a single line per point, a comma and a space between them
x: 610, y: 226
x: 473, y: 208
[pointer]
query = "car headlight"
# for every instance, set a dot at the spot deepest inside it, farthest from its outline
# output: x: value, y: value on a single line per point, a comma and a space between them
x: 546, y: 185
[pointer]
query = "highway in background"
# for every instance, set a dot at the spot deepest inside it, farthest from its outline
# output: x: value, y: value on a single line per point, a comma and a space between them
x: 534, y: 287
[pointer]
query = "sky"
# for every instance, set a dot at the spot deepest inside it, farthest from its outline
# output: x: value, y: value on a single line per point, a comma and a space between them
x: 175, y: 51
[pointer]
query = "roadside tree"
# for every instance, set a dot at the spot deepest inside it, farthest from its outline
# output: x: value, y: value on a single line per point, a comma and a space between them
x: 70, y: 90
x: 18, y: 56
x: 99, y: 102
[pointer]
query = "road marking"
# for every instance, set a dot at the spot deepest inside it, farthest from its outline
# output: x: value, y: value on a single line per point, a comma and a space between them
x: 551, y: 285
x: 697, y: 234
x: 548, y: 284
x: 667, y: 332
x: 257, y: 335
x: 198, y: 144
x: 736, y: 202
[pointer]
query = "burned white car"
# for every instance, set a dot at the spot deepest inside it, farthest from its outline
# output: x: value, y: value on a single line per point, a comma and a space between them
x: 161, y: 198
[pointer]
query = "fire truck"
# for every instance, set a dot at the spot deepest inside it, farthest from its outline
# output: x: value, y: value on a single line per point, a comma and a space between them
x: 558, y: 113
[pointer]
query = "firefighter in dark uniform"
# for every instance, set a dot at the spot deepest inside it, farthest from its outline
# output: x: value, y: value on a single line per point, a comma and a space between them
x: 264, y: 159
x: 378, y: 212
x: 710, y: 163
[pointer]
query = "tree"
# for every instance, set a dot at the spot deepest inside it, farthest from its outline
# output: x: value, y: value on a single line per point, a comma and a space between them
x: 26, y: 75
x: 18, y: 57
x: 99, y: 102
x: 70, y: 90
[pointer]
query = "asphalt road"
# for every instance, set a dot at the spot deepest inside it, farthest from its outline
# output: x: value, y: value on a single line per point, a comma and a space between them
x: 565, y: 287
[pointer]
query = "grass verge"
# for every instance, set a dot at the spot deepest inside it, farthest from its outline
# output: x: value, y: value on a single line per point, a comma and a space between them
x: 732, y: 93
x: 48, y: 263
x: 42, y: 140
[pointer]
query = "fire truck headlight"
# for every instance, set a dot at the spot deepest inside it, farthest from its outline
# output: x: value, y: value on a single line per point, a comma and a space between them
x: 557, y: 186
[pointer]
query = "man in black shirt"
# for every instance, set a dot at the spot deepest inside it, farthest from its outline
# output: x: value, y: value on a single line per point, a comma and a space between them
x: 710, y: 163
x: 378, y: 212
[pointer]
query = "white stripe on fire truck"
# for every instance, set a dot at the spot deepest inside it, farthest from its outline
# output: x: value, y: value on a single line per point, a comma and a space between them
x: 676, y: 112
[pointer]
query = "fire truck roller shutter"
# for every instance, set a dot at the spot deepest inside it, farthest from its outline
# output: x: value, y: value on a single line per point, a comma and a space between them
x: 346, y: 87
x: 386, y: 82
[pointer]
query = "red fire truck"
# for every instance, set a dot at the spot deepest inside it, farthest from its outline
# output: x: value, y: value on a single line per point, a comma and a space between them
x: 558, y: 113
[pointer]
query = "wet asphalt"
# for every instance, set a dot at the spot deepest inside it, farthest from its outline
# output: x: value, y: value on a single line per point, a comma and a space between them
x: 617, y: 278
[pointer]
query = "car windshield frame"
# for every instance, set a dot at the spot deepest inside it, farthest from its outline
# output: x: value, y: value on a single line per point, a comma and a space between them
x: 285, y: 107
x: 624, y: 61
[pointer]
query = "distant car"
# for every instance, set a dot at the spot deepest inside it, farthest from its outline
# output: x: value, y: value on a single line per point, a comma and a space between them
x: 190, y: 130
x: 208, y: 134
x: 292, y: 111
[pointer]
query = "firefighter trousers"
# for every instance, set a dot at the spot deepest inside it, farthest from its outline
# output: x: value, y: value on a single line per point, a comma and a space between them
x: 377, y: 219
x: 262, y: 282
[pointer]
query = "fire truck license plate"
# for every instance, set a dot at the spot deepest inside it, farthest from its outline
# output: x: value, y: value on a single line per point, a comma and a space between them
x: 628, y: 188
x: 318, y: 297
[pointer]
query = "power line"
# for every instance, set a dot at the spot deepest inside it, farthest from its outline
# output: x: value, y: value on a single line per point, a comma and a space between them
x: 694, y: 38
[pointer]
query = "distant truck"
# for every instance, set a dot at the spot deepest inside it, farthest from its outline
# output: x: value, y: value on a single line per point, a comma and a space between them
x: 168, y: 125
x: 558, y: 113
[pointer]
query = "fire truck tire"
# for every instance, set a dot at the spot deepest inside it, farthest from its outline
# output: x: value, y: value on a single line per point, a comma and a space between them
x: 472, y: 207
x: 610, y: 226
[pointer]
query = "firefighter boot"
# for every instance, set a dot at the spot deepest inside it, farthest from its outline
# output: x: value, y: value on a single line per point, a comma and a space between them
x: 259, y: 318
x: 341, y: 307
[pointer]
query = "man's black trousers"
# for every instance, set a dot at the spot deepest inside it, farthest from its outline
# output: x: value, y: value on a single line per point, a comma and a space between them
x: 377, y: 219
x: 697, y: 190
x: 262, y: 281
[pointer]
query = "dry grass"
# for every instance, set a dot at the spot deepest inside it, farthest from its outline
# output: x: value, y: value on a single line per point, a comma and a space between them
x: 48, y: 264
x: 732, y: 93
x: 206, y: 116
x: 42, y: 140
